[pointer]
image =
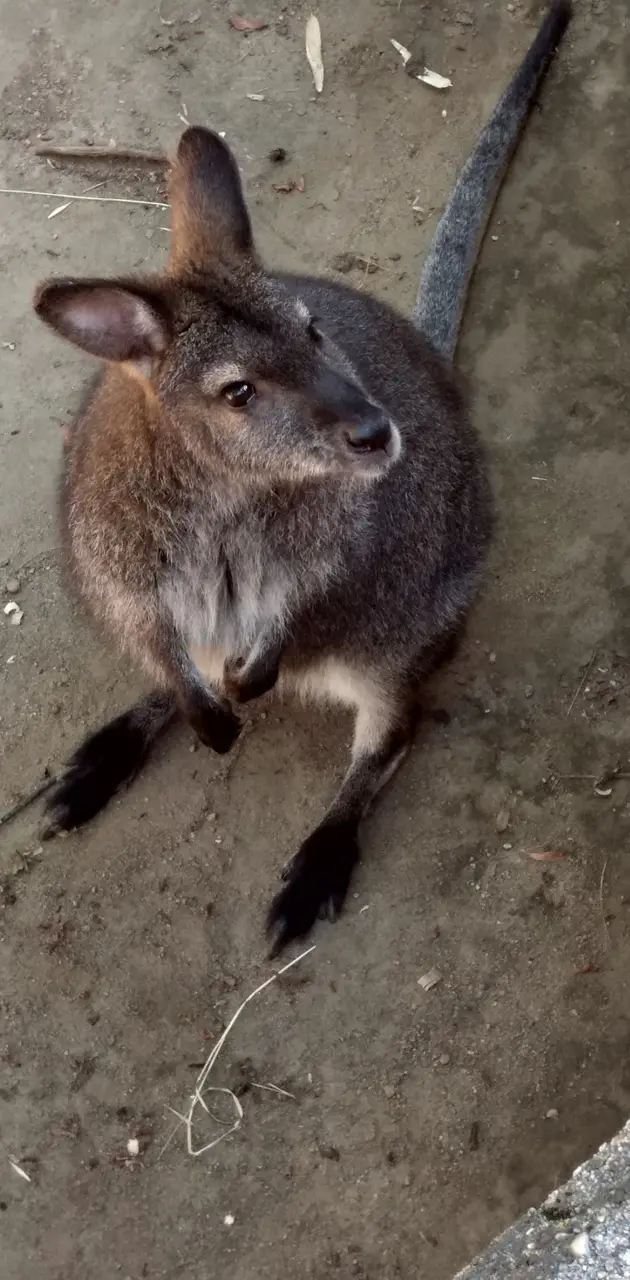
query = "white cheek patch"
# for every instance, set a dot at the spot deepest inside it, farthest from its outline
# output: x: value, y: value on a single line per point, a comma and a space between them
x: 396, y: 443
x: 302, y: 311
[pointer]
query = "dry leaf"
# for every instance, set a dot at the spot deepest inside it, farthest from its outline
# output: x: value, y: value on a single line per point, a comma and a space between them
x: 430, y: 979
x: 20, y: 1172
x: 435, y: 80
x: 300, y: 185
x: 60, y: 208
x: 314, y: 51
x: 544, y: 855
x: 404, y: 53
x: 602, y: 787
x: 284, y: 187
x: 247, y: 24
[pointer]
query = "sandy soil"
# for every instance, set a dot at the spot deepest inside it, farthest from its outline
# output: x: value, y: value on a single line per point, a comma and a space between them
x: 422, y: 1122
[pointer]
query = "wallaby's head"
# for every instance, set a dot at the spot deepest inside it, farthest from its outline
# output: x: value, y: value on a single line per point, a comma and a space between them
x: 239, y: 366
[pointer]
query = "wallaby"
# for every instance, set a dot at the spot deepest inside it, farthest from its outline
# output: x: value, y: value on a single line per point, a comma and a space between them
x: 275, y: 481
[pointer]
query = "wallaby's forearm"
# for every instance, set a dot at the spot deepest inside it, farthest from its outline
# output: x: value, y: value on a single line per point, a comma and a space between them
x: 208, y: 713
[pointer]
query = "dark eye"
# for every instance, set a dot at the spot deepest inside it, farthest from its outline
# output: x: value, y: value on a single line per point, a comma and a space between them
x: 238, y: 394
x: 313, y: 329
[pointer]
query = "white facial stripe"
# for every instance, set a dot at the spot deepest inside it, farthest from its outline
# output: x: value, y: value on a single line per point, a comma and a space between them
x: 219, y: 376
x: 302, y: 310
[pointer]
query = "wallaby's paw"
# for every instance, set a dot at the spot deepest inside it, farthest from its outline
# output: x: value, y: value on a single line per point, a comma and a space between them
x: 242, y: 685
x: 98, y: 769
x: 316, y: 883
x: 216, y: 725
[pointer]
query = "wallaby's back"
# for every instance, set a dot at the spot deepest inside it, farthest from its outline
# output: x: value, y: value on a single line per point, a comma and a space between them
x: 455, y: 247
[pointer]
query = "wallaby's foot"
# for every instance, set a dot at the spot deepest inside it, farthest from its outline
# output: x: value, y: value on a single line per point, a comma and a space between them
x: 317, y: 881
x: 106, y: 761
x: 214, y: 722
x: 318, y: 877
x: 243, y: 683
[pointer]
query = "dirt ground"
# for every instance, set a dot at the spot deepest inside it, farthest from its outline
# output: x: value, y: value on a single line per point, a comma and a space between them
x: 422, y: 1122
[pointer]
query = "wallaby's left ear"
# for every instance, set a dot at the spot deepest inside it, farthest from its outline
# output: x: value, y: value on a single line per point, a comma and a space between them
x: 208, y: 210
x: 115, y: 320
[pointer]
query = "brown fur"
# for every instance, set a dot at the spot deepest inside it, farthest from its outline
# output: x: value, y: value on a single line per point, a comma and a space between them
x: 275, y: 481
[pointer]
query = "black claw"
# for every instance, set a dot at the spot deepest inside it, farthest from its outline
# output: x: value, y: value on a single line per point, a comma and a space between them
x: 216, y: 726
x: 316, y: 883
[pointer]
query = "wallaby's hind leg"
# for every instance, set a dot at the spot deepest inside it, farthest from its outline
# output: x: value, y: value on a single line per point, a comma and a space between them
x: 105, y: 762
x: 318, y: 877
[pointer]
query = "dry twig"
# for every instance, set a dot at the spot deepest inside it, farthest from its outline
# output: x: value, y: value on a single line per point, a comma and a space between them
x: 601, y: 902
x: 585, y: 677
x: 127, y: 154
x: 27, y: 800
x: 61, y: 195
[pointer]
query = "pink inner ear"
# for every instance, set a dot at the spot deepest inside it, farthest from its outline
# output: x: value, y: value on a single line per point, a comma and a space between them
x: 109, y: 321
x: 115, y: 324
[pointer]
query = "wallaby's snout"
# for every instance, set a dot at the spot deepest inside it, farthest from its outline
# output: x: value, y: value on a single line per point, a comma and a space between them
x: 372, y: 435
x: 367, y: 440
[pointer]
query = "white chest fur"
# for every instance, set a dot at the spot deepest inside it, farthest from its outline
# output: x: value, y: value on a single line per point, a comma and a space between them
x: 223, y: 608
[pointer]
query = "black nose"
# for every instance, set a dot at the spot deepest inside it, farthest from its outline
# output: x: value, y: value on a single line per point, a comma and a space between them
x: 371, y: 433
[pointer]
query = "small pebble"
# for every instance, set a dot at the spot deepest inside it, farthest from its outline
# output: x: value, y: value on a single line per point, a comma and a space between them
x: 529, y: 690
x: 445, y: 1059
x: 329, y: 1152
x: 389, y: 1091
x: 229, y: 1219
x: 13, y: 586
x: 580, y: 1247
x: 492, y: 657
x: 552, y: 1114
x: 502, y: 821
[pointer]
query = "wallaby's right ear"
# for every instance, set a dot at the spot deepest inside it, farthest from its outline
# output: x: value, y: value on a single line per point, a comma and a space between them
x: 108, y: 318
x: 208, y: 211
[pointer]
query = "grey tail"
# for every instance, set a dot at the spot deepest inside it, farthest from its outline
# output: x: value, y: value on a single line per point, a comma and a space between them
x: 455, y: 248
